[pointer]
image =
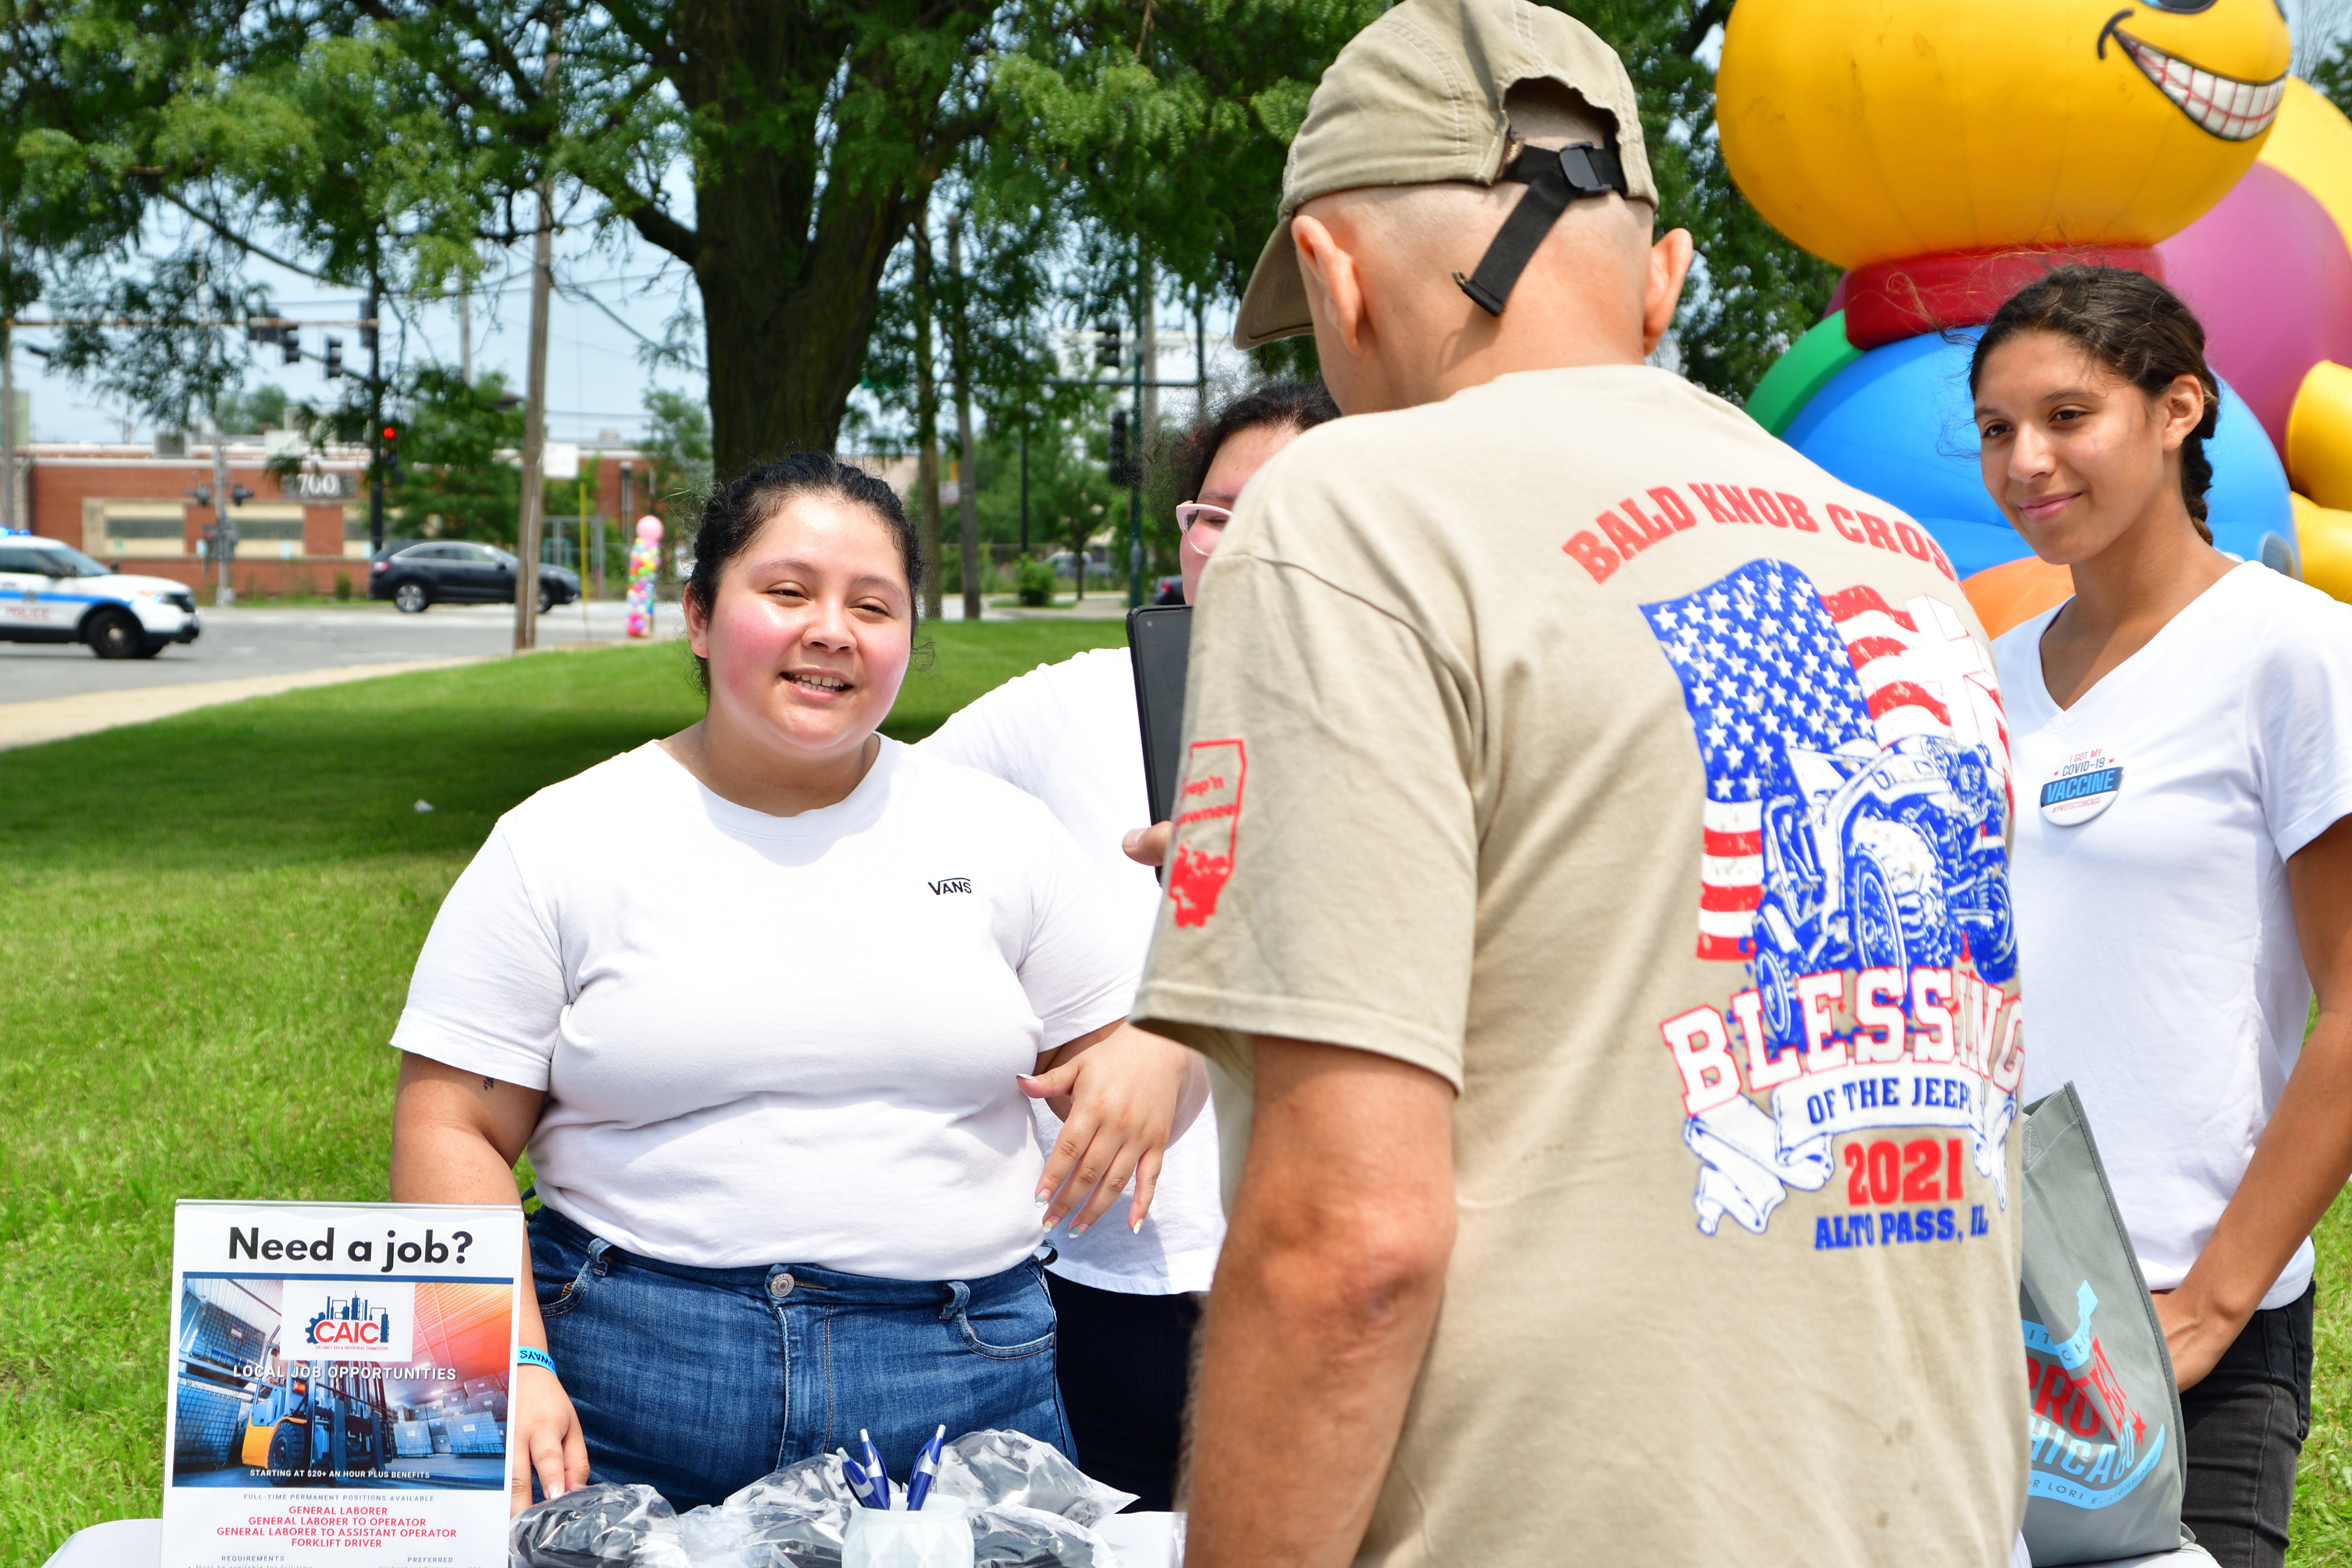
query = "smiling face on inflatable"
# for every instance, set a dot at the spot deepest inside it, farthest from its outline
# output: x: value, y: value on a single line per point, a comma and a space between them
x: 1875, y: 130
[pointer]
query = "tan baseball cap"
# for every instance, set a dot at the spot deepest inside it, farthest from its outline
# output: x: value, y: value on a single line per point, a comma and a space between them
x: 1417, y: 98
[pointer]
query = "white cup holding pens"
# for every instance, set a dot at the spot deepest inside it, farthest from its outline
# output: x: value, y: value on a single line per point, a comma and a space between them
x: 937, y: 1535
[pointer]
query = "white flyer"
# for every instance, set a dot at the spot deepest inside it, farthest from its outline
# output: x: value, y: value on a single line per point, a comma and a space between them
x: 337, y: 1384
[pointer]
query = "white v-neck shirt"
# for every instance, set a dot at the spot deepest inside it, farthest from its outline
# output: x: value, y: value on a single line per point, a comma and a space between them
x: 2157, y: 942
x: 778, y: 1039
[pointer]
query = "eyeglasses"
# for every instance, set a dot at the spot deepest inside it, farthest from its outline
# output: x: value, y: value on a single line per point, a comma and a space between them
x: 1203, y: 525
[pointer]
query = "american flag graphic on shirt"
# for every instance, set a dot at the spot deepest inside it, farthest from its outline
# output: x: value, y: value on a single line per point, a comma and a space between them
x: 1770, y: 664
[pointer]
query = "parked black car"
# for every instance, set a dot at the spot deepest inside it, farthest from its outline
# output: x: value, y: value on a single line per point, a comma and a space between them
x: 458, y: 572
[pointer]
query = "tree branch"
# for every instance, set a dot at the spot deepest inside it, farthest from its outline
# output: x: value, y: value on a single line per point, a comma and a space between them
x: 248, y: 247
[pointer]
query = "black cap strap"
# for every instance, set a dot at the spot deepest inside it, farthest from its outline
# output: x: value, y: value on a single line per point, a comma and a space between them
x: 1553, y: 179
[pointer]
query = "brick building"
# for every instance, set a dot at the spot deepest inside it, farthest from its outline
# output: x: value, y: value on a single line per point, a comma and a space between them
x: 129, y: 505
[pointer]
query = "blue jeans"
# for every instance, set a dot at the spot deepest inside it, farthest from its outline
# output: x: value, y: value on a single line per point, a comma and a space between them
x: 700, y: 1381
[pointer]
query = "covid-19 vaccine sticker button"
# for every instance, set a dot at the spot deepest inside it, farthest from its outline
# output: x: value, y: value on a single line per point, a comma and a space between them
x: 2085, y: 784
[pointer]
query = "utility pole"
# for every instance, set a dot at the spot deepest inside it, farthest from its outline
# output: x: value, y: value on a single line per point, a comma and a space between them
x: 534, y: 419
x: 224, y: 531
x: 1024, y: 487
x: 967, y: 465
x: 465, y: 334
x: 8, y: 523
x: 374, y: 330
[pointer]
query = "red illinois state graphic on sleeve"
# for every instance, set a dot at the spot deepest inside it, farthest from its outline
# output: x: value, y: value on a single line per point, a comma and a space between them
x: 1208, y: 821
x: 1855, y: 861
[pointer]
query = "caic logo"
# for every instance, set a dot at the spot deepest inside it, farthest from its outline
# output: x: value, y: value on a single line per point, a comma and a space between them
x: 332, y: 1319
x: 348, y: 1320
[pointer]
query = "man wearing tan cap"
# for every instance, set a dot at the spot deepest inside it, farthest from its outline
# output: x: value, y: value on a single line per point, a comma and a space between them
x: 1589, y: 884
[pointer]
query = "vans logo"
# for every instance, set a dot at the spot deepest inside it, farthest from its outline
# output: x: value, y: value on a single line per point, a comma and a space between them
x: 950, y: 885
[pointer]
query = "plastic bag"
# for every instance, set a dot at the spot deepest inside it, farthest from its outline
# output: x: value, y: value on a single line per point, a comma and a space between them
x: 989, y: 1469
x: 1011, y: 1536
x: 1030, y: 1507
x: 596, y: 1527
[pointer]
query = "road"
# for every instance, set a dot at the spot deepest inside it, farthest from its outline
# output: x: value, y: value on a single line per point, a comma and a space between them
x: 241, y: 643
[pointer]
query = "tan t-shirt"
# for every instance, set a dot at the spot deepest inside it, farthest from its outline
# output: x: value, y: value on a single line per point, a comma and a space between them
x: 1578, y: 741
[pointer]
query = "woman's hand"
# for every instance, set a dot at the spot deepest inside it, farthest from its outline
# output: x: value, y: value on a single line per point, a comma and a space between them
x: 1123, y: 1096
x: 2196, y: 1334
x: 545, y: 1428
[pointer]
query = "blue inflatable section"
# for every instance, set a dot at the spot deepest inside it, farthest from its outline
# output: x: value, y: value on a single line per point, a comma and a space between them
x: 1896, y: 422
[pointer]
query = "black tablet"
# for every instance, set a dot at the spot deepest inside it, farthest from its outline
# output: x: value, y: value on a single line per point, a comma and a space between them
x: 1159, y: 641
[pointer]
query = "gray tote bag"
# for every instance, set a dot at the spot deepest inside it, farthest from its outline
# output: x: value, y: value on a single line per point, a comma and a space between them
x: 2105, y: 1437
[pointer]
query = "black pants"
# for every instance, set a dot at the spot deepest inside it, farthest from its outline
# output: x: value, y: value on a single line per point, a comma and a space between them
x: 2246, y: 1426
x: 1125, y: 1364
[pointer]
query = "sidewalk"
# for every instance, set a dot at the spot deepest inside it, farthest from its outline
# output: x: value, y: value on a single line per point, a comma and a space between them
x: 55, y: 718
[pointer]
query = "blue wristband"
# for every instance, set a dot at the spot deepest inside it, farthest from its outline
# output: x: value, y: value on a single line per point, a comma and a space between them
x: 532, y: 1355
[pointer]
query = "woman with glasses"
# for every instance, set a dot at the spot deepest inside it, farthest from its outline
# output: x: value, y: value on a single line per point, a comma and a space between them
x: 1067, y: 733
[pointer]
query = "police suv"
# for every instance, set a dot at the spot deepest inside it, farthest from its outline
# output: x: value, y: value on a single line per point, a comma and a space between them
x: 50, y: 592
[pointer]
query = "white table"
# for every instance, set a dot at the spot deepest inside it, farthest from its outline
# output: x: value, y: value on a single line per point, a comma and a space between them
x: 1140, y: 1540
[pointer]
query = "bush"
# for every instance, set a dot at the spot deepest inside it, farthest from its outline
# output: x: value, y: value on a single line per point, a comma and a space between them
x: 1032, y: 581
x: 343, y: 587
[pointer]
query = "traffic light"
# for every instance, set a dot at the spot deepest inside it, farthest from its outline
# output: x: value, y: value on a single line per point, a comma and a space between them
x: 1122, y: 469
x: 334, y: 359
x: 367, y: 335
x: 391, y: 451
x: 237, y: 494
x: 259, y: 331
x: 202, y: 495
x: 291, y: 339
x: 1106, y: 345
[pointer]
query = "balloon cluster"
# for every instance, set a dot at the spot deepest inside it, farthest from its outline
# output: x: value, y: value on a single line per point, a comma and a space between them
x: 644, y: 560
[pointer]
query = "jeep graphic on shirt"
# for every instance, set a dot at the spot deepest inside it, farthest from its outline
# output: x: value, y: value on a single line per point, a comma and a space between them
x: 1855, y: 862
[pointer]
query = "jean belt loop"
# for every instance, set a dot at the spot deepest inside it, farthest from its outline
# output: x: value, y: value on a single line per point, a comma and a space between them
x: 597, y: 1246
x: 958, y: 1297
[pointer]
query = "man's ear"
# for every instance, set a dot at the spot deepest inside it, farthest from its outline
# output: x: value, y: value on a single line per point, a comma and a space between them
x: 1670, y: 264
x: 1335, y: 291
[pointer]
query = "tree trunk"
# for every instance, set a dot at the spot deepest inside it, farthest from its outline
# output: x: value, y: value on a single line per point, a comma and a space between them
x: 968, y: 459
x: 817, y: 131
x: 926, y: 421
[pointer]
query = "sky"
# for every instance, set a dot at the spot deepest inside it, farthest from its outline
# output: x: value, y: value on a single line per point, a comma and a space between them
x: 596, y: 377
x: 597, y: 374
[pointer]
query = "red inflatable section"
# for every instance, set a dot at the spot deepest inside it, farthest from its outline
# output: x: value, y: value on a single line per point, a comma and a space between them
x: 2267, y: 272
x: 1891, y: 300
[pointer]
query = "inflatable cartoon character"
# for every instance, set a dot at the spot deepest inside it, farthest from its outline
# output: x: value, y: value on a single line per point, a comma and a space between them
x: 1945, y: 155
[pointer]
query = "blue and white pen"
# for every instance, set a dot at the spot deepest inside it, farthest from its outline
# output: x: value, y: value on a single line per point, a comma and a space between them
x: 927, y: 1469
x: 872, y: 1458
x: 866, y: 1488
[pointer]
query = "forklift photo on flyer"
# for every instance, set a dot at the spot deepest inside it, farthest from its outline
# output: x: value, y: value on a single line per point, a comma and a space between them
x: 248, y: 1416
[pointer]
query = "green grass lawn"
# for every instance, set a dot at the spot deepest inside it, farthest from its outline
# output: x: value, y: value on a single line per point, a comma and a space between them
x: 206, y: 926
x: 206, y: 935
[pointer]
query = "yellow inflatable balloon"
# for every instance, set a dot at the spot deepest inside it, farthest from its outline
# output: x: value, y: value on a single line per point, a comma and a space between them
x: 1874, y: 130
x: 2312, y: 145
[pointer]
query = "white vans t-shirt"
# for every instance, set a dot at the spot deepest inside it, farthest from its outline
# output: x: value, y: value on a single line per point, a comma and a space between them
x: 2157, y: 942
x: 1067, y: 734
x: 778, y: 1039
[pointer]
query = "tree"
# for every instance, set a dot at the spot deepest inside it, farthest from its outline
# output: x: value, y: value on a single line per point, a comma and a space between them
x: 678, y: 438
x: 454, y: 440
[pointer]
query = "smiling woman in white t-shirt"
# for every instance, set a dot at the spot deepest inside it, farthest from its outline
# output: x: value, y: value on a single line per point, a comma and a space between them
x: 2182, y: 746
x: 768, y: 1002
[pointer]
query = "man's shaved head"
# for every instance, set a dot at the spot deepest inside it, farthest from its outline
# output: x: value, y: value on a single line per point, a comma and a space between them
x: 1397, y: 328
